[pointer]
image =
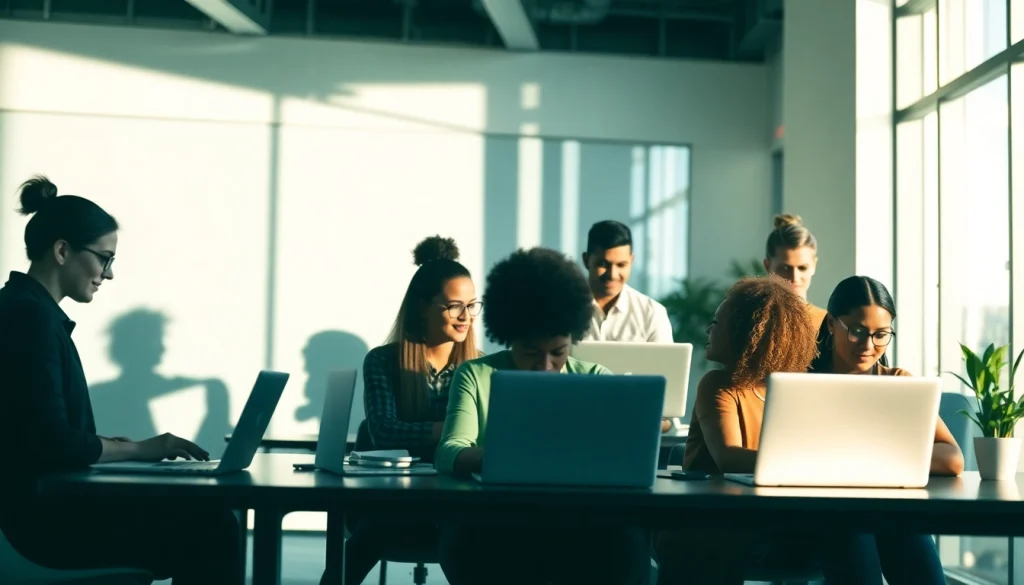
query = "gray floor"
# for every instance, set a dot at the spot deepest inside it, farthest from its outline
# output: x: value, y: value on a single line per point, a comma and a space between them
x: 302, y: 559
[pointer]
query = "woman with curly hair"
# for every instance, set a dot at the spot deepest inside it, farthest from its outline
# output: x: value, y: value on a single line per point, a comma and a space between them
x: 538, y: 305
x: 760, y: 328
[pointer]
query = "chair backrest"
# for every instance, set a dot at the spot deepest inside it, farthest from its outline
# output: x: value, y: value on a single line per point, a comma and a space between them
x: 14, y: 568
x: 962, y: 428
x: 364, y: 442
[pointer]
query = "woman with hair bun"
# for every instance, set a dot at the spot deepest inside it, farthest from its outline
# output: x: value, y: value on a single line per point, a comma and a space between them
x: 791, y: 253
x: 46, y: 418
x: 405, y: 386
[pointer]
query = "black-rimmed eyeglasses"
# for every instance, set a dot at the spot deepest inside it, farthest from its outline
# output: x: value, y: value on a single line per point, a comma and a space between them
x: 455, y: 310
x: 106, y: 258
x: 858, y: 334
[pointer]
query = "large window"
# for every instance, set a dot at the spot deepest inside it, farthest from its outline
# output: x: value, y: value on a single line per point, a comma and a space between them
x: 959, y: 141
x: 660, y: 215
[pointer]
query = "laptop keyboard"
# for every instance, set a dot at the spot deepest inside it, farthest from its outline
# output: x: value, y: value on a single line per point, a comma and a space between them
x: 189, y: 465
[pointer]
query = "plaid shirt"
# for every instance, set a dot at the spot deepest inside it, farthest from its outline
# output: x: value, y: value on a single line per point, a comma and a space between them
x: 380, y: 391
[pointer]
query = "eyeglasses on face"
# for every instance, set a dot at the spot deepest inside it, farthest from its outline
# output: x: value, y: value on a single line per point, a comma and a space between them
x: 105, y: 258
x: 455, y: 310
x: 858, y: 334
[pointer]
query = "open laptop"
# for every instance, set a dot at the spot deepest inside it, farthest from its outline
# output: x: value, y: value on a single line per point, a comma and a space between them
x: 531, y: 439
x: 671, y: 360
x: 245, y: 440
x: 828, y: 430
x: 332, y: 444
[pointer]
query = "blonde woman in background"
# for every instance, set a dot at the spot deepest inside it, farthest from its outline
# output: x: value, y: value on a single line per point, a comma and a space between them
x: 791, y: 253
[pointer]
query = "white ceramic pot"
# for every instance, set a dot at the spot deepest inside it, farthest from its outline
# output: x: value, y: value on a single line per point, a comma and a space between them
x: 997, y: 458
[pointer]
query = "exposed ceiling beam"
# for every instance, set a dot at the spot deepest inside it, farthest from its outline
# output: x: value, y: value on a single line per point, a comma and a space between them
x: 243, y: 17
x: 514, y: 26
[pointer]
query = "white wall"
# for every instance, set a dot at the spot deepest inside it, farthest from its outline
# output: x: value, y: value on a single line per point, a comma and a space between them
x: 818, y: 109
x: 836, y: 107
x: 272, y: 188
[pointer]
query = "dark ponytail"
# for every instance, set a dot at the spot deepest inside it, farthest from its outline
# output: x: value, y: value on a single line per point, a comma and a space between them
x: 73, y: 219
x: 850, y: 294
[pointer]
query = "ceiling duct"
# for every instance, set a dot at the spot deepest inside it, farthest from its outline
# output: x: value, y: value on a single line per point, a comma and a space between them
x: 760, y: 23
x: 568, y: 11
x: 581, y: 12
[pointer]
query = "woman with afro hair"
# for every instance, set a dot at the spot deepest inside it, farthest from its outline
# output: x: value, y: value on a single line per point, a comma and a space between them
x: 538, y: 305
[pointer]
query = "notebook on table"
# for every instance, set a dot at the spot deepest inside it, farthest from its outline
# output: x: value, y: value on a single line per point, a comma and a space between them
x: 332, y: 443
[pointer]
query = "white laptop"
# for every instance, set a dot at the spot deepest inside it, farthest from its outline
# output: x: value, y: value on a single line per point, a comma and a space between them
x: 332, y: 443
x: 245, y: 440
x: 530, y: 437
x: 671, y: 360
x: 829, y: 430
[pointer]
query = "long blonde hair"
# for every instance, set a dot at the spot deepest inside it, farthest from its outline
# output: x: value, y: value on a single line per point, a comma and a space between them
x: 437, y: 259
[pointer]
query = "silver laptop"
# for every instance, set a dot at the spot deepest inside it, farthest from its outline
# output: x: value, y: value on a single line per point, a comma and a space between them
x: 828, y: 430
x: 530, y: 438
x: 332, y: 443
x: 245, y: 440
x: 671, y: 360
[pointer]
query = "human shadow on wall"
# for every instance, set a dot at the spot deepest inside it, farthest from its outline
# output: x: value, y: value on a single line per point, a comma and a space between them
x: 327, y: 351
x: 122, y: 405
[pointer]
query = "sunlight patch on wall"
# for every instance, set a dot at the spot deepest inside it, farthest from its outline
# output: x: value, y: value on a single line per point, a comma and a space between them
x: 180, y: 413
x: 530, y: 96
x: 410, y: 106
x: 192, y: 248
x: 570, y: 197
x: 531, y: 187
x: 353, y: 205
x: 34, y: 79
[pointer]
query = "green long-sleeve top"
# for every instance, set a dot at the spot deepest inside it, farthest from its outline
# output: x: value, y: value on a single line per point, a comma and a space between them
x: 468, y: 396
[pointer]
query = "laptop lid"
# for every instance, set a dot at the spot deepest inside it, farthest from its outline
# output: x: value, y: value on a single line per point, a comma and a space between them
x: 252, y: 424
x: 532, y: 435
x: 332, y: 443
x: 671, y: 360
x: 834, y: 430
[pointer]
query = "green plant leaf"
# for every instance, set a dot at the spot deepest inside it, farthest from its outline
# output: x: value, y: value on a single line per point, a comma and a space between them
x: 962, y: 380
x: 988, y: 352
x: 1013, y: 370
x: 995, y: 364
x: 998, y: 411
x: 971, y: 416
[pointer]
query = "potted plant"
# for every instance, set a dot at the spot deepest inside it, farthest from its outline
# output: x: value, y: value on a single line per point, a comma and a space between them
x: 692, y: 306
x: 997, y: 451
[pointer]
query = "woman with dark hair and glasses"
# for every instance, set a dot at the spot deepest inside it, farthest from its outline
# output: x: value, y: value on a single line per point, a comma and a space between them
x: 853, y: 340
x: 405, y: 387
x: 46, y: 418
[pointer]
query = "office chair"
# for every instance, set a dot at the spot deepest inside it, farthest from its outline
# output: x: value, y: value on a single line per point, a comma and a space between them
x: 395, y: 552
x: 17, y: 570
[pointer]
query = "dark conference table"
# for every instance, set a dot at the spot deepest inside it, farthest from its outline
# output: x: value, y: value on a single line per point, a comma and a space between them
x: 307, y: 442
x: 271, y: 488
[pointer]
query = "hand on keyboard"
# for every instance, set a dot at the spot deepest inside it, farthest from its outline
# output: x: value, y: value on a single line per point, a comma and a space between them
x: 168, y: 446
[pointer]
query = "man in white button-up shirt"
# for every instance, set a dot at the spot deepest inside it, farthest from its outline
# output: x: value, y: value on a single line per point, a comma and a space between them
x: 621, y: 313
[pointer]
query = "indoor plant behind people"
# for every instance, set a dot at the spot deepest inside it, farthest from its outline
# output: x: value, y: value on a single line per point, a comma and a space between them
x: 997, y: 451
